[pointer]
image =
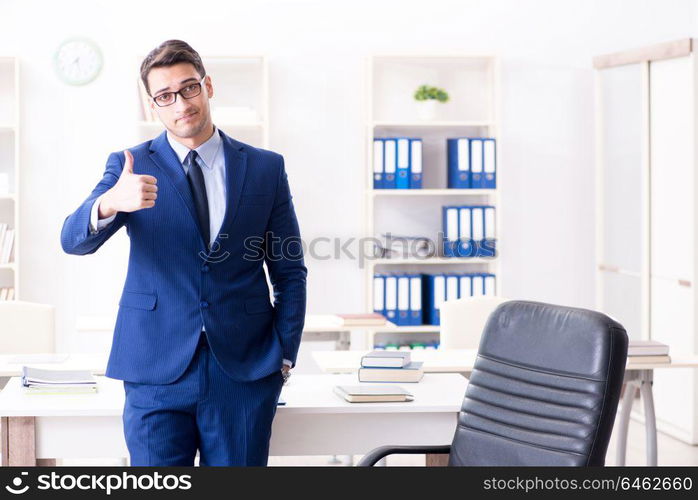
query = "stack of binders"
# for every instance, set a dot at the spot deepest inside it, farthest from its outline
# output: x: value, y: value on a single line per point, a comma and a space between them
x: 648, y: 351
x: 439, y: 288
x: 397, y: 163
x: 469, y: 231
x: 390, y: 366
x: 398, y: 297
x: 415, y: 299
x: 46, y: 381
x: 472, y: 162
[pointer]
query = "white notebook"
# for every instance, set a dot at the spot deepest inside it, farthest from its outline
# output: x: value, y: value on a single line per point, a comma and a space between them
x: 373, y: 393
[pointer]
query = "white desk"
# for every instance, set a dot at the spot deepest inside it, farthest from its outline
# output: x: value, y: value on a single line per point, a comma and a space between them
x: 638, y: 377
x: 11, y: 364
x: 314, y: 420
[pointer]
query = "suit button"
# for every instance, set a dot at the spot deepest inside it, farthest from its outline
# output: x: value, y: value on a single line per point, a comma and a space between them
x: 204, y: 304
x: 205, y: 268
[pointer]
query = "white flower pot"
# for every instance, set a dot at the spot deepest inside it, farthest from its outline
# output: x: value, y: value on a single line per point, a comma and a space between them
x: 426, y: 110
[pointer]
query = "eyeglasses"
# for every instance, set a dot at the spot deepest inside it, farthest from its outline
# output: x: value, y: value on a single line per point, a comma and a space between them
x: 168, y: 98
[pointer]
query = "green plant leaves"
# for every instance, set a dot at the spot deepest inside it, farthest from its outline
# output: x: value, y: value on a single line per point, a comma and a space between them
x: 426, y: 92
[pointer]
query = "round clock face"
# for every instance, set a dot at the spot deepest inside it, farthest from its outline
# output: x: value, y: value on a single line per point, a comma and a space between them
x: 78, y: 61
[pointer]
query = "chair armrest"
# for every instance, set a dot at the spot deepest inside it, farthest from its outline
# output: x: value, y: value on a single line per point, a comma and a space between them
x: 376, y: 454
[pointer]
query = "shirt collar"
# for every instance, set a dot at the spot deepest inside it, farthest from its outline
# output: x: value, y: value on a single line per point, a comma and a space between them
x: 207, y: 151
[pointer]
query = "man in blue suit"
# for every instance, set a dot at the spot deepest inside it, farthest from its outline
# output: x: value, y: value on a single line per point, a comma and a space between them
x: 202, y: 351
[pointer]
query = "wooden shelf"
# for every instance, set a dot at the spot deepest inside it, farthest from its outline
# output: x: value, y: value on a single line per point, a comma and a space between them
x: 432, y: 192
x: 436, y: 260
x: 143, y: 123
x: 10, y: 265
x: 429, y: 124
x: 409, y: 329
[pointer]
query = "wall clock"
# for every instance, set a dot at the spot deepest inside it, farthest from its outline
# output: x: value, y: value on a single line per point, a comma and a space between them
x: 78, y: 61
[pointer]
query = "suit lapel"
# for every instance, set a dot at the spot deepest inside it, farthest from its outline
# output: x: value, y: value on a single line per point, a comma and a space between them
x: 235, y: 170
x: 166, y: 159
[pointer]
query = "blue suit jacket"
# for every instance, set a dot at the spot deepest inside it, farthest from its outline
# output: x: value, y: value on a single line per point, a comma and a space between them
x: 174, y: 284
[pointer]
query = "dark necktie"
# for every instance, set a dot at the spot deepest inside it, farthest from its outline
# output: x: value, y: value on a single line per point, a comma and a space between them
x: 198, y: 191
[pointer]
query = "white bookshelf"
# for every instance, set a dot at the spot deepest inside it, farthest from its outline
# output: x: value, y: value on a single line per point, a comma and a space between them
x: 9, y: 165
x: 472, y: 82
x: 240, y: 104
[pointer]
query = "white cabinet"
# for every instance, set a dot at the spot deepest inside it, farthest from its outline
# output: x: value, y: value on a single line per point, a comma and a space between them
x: 9, y: 175
x: 672, y: 181
x: 673, y: 322
x: 621, y: 199
x: 646, y: 211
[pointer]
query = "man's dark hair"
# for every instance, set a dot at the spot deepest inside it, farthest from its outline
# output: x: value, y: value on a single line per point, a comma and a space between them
x: 170, y: 53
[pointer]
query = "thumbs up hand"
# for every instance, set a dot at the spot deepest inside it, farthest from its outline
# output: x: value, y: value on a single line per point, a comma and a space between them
x: 131, y: 192
x: 128, y: 163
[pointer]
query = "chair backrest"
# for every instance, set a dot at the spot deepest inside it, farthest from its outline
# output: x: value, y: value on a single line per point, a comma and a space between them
x: 463, y: 321
x: 26, y: 327
x: 544, y: 389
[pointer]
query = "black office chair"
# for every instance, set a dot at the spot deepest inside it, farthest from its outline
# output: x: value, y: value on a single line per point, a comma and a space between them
x: 544, y: 390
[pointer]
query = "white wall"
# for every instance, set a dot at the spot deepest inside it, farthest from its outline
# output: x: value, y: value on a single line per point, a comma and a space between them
x: 316, y: 52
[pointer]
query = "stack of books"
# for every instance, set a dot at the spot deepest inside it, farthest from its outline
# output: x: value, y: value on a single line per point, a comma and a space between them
x: 346, y: 320
x: 648, y: 351
x: 7, y: 242
x: 365, y: 319
x: 394, y: 246
x: 390, y: 366
x: 43, y: 381
x: 373, y: 394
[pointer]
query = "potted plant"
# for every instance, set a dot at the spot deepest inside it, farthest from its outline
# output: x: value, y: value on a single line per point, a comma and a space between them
x: 427, y: 98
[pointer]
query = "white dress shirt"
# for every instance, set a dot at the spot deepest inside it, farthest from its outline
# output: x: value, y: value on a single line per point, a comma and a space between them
x: 212, y: 162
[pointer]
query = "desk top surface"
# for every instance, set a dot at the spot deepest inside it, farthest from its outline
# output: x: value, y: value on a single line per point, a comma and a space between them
x: 461, y: 360
x: 11, y: 364
x: 436, y: 393
x: 314, y: 323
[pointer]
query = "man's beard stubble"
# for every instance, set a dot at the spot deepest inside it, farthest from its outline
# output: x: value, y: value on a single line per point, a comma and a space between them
x: 186, y: 134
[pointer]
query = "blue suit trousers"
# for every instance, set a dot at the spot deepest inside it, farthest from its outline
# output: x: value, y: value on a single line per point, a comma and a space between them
x: 227, y: 421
